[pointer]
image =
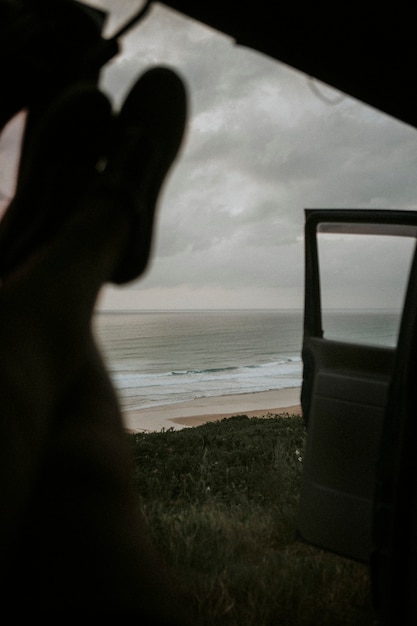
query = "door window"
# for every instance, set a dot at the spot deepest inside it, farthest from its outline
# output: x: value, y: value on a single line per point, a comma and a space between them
x: 363, y: 280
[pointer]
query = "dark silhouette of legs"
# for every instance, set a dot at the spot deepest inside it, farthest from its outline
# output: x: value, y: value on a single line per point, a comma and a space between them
x: 71, y: 538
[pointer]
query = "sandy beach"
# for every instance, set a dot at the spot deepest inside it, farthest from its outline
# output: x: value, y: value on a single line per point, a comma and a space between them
x: 196, y: 412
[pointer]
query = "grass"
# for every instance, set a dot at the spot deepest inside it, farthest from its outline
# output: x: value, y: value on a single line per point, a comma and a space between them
x: 220, y: 501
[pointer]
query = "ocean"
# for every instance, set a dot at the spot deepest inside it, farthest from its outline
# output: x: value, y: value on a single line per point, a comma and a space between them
x: 160, y: 358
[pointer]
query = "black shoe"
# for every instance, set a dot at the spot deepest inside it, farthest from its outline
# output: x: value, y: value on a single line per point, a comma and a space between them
x: 58, y: 163
x: 149, y: 132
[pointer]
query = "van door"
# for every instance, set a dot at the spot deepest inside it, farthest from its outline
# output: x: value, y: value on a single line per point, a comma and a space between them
x: 357, y: 266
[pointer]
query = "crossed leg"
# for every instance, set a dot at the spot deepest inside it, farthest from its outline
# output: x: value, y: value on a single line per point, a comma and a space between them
x: 71, y: 538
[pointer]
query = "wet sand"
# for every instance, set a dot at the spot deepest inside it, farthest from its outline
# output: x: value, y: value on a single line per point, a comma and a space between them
x: 196, y: 412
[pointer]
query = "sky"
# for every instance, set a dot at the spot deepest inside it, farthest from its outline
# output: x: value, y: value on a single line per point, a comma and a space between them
x: 263, y: 142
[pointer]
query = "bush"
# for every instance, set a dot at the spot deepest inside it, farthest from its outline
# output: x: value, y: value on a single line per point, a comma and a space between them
x: 220, y: 501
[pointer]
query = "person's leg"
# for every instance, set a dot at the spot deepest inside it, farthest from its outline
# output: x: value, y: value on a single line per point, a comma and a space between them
x: 54, y: 273
x: 55, y: 171
x: 80, y: 511
x: 81, y: 542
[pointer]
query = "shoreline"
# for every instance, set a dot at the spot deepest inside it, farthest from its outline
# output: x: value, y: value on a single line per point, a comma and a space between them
x: 202, y: 410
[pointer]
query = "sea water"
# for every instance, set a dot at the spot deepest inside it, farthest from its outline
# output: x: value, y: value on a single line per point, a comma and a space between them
x: 160, y: 358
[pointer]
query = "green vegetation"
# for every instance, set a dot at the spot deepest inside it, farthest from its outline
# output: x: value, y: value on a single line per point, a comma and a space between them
x: 220, y: 501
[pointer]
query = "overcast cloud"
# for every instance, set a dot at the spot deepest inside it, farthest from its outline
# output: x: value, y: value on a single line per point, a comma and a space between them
x: 261, y: 146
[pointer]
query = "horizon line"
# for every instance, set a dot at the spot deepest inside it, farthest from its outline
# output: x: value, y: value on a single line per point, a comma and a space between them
x: 196, y: 310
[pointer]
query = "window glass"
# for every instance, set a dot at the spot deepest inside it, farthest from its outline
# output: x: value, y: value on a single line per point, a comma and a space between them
x: 363, y: 282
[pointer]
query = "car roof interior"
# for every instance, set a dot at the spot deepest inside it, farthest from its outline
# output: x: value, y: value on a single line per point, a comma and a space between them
x: 367, y: 51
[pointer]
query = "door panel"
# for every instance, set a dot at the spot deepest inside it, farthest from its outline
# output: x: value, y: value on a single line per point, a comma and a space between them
x: 344, y: 397
x: 346, y: 415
